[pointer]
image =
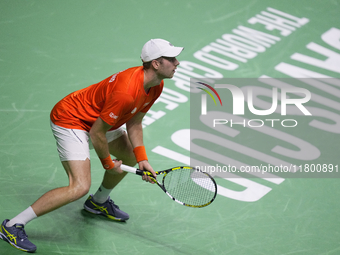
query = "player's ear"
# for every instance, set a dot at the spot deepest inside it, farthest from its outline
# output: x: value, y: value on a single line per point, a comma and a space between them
x: 156, y: 63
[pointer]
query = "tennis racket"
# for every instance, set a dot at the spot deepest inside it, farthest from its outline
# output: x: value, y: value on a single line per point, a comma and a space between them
x: 185, y: 185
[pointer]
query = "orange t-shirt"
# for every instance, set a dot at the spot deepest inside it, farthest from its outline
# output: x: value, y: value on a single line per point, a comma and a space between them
x: 115, y: 100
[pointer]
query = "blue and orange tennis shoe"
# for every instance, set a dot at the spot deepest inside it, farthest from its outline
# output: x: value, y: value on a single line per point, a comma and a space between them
x: 108, y: 209
x: 16, y: 236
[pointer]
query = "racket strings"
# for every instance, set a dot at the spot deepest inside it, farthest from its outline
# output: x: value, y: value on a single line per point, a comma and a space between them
x: 190, y: 186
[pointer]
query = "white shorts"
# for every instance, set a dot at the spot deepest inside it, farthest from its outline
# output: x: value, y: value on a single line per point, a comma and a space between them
x: 75, y: 144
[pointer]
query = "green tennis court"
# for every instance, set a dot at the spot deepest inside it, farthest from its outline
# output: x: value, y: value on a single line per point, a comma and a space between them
x: 51, y: 48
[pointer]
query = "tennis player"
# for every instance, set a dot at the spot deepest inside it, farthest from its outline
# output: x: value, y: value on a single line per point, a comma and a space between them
x: 92, y: 118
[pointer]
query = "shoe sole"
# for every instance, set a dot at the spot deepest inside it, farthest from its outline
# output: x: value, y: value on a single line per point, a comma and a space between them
x: 3, y: 237
x: 90, y: 210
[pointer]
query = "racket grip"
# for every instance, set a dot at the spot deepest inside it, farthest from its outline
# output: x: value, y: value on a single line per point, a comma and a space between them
x: 129, y: 169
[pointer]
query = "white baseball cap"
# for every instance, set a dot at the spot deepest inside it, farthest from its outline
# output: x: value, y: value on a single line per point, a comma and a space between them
x: 156, y: 48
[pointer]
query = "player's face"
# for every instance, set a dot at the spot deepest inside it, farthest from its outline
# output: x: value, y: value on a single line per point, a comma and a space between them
x: 168, y: 66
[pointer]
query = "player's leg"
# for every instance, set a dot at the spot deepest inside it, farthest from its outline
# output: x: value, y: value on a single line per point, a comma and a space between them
x: 79, y: 175
x: 100, y: 202
x: 73, y: 148
x: 74, y: 153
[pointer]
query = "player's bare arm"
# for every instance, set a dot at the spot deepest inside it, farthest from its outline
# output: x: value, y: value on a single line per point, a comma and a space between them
x: 100, y: 144
x: 135, y: 132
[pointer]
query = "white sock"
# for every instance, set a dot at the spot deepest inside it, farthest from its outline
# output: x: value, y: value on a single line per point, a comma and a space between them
x: 102, y: 194
x: 23, y: 217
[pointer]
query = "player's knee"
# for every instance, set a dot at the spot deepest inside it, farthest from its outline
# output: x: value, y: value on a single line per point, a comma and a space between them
x: 78, y: 191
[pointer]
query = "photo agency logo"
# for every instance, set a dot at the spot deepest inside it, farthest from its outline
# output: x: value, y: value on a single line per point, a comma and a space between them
x: 263, y: 127
x: 292, y: 100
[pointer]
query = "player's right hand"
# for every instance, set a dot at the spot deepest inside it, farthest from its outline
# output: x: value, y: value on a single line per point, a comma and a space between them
x: 116, y: 170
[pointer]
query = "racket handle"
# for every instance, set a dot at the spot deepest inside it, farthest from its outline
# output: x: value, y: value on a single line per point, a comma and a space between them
x: 129, y: 169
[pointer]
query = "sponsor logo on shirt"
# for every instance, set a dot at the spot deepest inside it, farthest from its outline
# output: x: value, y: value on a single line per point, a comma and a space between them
x: 113, y: 77
x: 113, y: 116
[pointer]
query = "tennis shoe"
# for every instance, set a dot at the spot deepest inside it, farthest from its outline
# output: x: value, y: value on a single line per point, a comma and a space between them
x: 16, y: 236
x: 108, y: 209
